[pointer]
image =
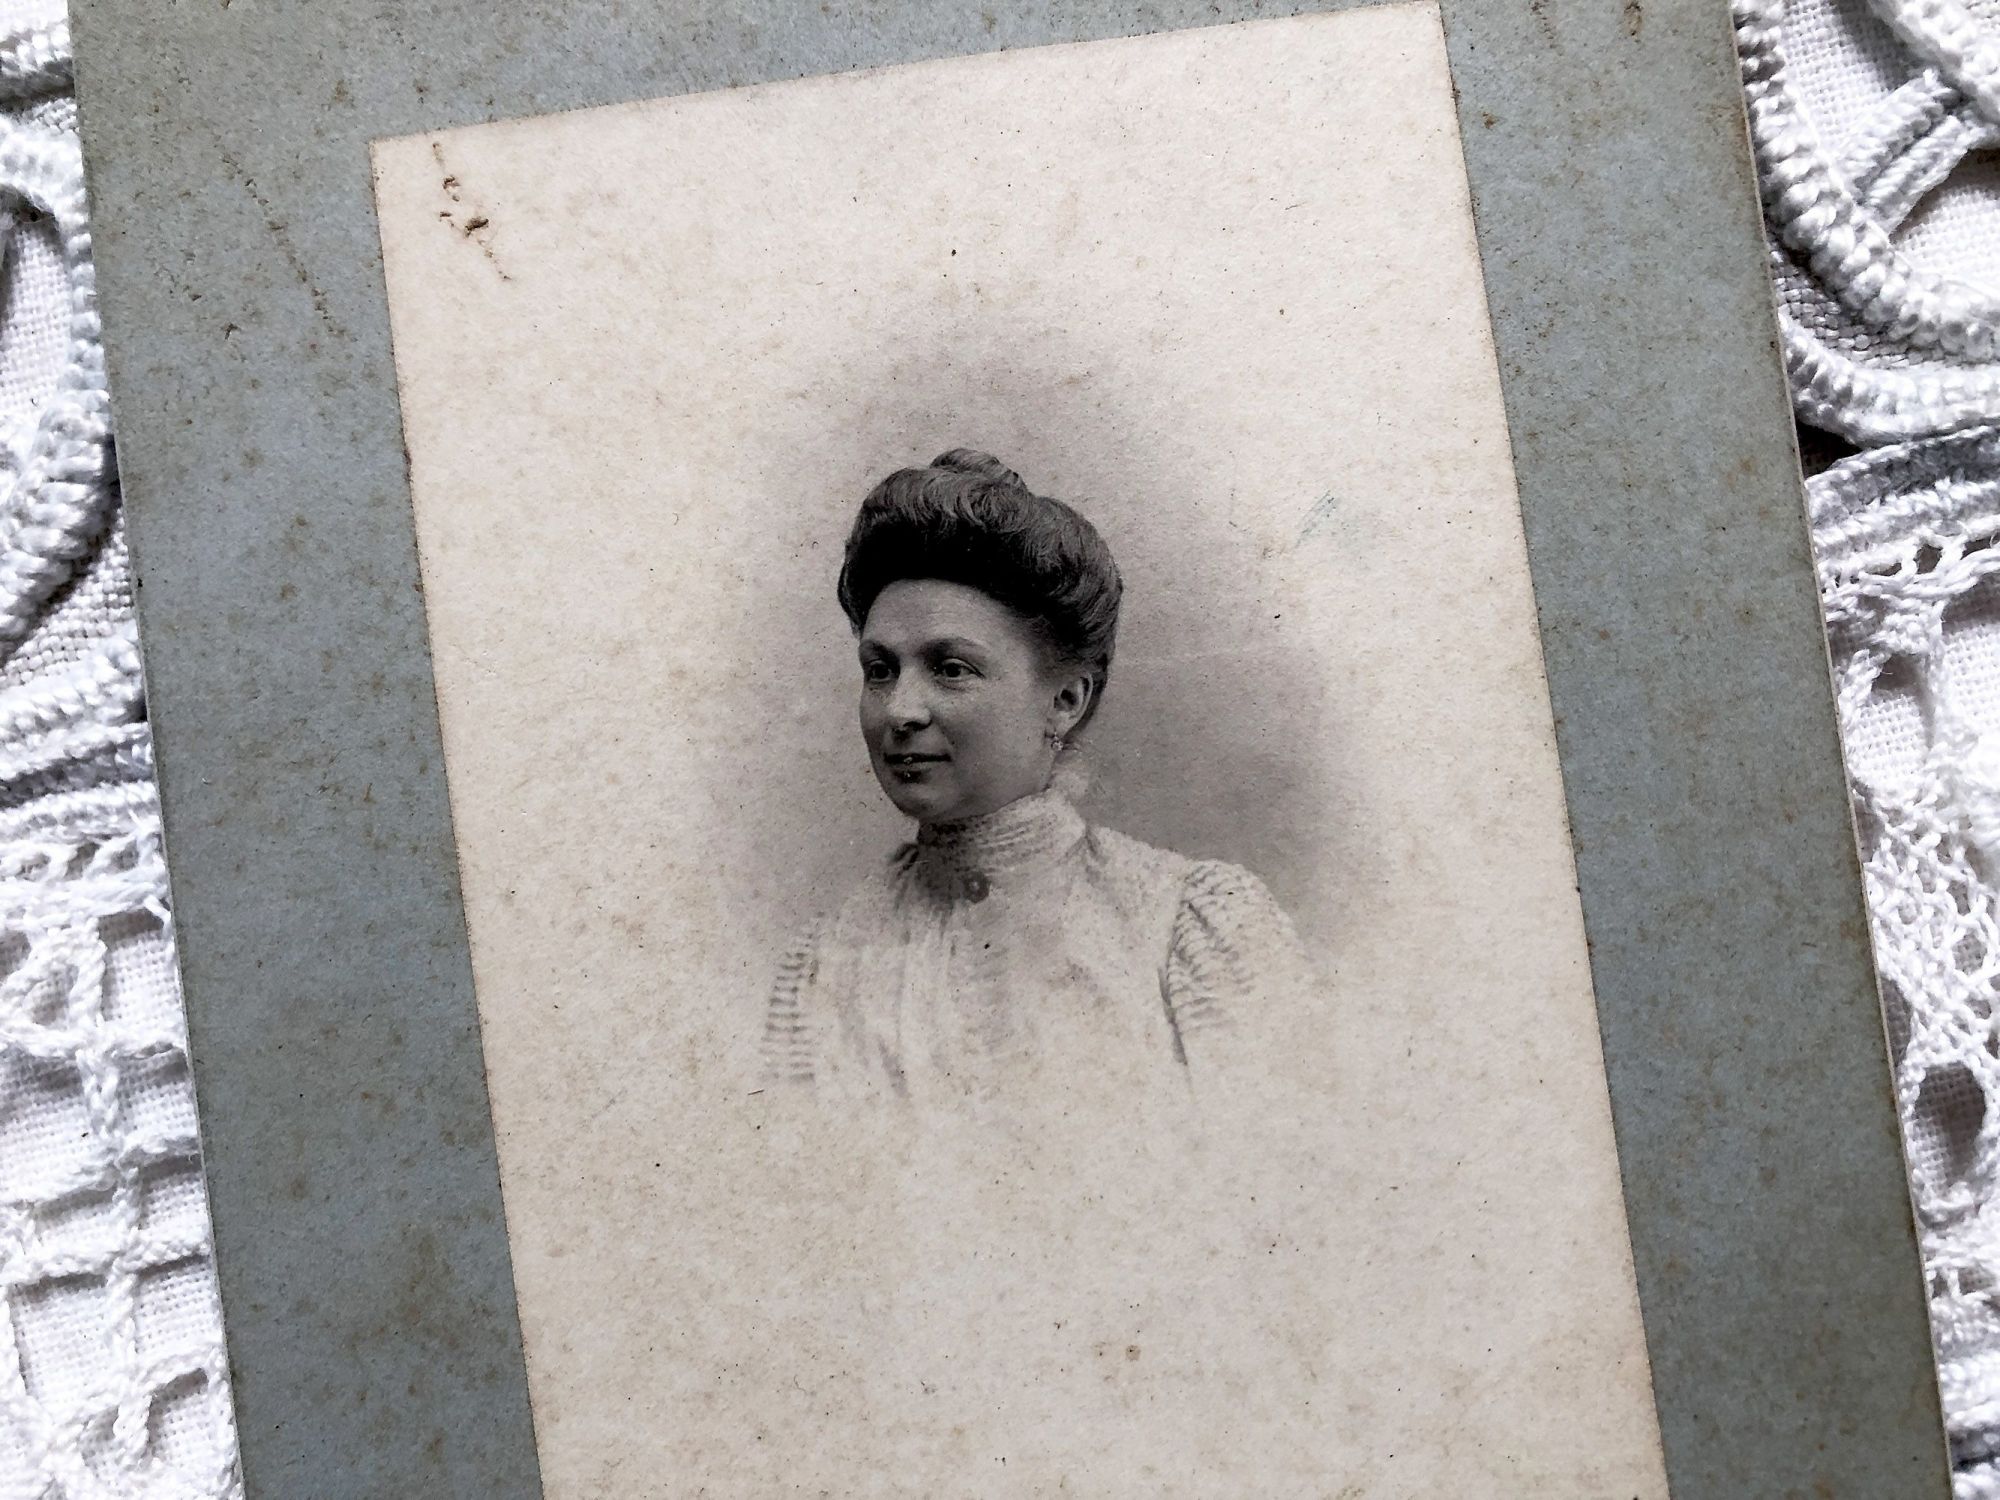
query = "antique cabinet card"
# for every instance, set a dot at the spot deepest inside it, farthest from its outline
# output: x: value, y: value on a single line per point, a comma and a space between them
x: 650, y: 360
x: 1114, y: 827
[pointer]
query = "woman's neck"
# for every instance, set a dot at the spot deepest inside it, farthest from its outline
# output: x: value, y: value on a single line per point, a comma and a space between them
x: 1028, y: 832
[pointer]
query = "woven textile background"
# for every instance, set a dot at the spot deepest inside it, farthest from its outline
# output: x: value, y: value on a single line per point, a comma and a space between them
x: 1872, y: 120
x: 112, y: 1380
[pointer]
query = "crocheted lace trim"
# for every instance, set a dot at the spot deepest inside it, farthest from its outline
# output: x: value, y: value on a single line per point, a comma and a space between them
x: 1904, y: 538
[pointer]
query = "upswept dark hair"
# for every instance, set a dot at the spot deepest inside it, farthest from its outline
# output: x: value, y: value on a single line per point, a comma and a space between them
x: 967, y: 518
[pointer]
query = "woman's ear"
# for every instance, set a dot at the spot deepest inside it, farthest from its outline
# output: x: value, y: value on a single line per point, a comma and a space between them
x: 1072, y: 701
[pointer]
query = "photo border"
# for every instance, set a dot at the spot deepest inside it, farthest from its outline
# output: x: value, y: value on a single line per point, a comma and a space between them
x: 360, y: 1241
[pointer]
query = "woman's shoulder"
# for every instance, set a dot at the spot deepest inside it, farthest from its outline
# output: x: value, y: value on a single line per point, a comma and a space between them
x: 1231, y: 951
x: 866, y: 901
x: 1234, y: 961
x: 1213, y: 886
x: 815, y: 963
x: 873, y: 891
x: 1219, y: 889
x: 1223, y: 915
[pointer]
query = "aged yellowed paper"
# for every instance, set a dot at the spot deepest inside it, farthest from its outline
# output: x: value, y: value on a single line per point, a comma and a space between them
x: 1218, y: 290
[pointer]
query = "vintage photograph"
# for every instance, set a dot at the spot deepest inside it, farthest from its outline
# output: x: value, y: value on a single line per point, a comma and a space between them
x: 1019, y: 893
x: 1009, y: 936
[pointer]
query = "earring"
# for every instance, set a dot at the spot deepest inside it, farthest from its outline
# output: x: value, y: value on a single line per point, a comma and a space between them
x: 1055, y: 740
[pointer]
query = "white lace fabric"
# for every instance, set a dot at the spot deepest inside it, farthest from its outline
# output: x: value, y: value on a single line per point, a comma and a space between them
x: 113, y: 1384
x: 1873, y: 122
x: 1905, y: 539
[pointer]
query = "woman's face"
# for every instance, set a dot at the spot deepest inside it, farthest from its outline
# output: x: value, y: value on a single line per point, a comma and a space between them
x: 957, y: 704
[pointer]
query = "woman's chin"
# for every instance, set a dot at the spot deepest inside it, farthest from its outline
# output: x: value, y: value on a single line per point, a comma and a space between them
x: 916, y: 799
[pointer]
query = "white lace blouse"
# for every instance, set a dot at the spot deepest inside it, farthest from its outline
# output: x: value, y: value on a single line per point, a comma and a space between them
x: 1027, y: 949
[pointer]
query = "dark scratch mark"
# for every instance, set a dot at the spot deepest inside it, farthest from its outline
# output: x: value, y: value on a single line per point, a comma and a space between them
x: 1316, y: 518
x: 281, y: 235
x: 477, y: 227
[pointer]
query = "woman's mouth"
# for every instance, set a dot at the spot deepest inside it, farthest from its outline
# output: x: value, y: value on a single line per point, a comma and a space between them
x: 908, y: 765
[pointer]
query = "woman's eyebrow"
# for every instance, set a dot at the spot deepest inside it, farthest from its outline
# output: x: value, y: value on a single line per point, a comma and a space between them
x: 942, y: 645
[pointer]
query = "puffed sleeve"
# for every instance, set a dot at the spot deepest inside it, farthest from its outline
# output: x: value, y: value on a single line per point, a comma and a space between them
x: 1236, y: 973
x: 788, y: 1022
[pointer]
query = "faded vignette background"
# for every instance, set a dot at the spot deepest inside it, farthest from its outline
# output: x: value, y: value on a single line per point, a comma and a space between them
x: 1220, y: 288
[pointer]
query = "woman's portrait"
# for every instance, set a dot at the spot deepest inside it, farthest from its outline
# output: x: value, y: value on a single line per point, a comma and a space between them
x: 1009, y: 936
x: 1013, y: 845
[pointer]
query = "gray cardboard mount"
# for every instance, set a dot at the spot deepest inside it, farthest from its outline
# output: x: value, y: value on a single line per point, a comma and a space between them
x: 360, y: 1241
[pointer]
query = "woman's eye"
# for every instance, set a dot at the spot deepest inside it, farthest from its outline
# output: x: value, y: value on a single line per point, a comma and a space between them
x: 952, y: 669
x: 877, y: 671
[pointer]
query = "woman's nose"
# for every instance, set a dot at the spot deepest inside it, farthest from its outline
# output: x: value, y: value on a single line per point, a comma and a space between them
x: 909, y: 708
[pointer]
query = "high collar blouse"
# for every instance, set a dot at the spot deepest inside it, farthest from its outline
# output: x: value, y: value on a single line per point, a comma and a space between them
x: 991, y: 961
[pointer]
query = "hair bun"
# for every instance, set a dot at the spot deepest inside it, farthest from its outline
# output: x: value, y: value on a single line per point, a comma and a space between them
x: 967, y: 518
x: 984, y: 465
